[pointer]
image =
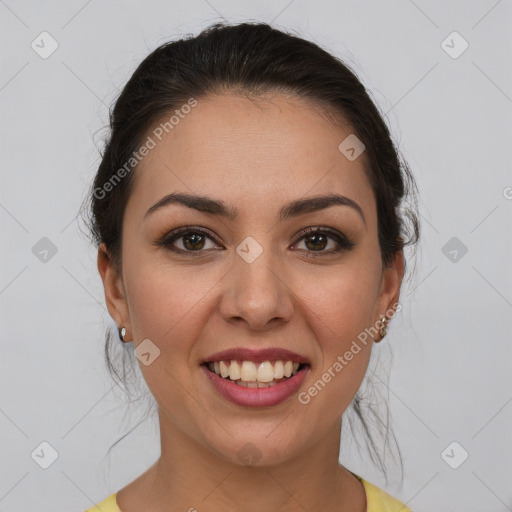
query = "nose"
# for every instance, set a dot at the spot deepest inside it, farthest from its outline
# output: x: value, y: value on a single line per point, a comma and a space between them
x: 256, y: 294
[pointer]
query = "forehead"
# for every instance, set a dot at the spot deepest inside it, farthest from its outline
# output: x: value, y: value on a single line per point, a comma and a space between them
x: 248, y: 151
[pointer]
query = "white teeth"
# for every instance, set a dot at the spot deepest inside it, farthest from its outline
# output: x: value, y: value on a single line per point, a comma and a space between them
x: 279, y: 370
x: 265, y: 372
x: 223, y: 369
x: 248, y: 374
x: 234, y: 370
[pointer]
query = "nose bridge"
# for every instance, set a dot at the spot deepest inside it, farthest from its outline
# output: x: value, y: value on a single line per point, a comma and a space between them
x: 255, y: 289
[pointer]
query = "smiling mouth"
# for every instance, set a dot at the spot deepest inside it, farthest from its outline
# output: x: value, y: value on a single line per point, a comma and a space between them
x: 255, y: 375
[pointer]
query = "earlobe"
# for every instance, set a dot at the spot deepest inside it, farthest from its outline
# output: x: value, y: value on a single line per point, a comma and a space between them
x: 113, y: 288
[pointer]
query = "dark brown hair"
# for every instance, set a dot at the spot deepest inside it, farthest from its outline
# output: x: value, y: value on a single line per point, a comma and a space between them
x: 252, y: 59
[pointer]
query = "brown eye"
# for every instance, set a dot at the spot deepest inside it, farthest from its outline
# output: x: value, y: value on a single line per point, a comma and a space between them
x: 193, y: 241
x: 317, y: 240
x: 187, y: 241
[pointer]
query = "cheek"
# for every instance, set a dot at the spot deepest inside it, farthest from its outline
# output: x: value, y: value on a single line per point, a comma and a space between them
x: 166, y: 306
x: 338, y: 315
x: 164, y: 301
x: 340, y: 305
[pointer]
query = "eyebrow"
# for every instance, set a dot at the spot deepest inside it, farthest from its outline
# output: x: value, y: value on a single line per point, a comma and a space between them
x: 293, y: 209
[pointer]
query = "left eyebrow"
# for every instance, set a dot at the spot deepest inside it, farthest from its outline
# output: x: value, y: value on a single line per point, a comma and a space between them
x: 316, y: 203
x: 293, y: 209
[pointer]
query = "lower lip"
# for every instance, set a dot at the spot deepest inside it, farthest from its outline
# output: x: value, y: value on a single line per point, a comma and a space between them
x: 256, y: 397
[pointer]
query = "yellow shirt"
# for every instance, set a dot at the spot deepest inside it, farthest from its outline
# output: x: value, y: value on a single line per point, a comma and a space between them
x: 377, y: 501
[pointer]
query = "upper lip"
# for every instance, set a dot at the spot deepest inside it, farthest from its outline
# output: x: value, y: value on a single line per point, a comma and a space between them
x: 260, y: 355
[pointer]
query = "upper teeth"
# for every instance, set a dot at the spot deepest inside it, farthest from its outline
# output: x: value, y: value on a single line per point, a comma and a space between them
x: 248, y: 371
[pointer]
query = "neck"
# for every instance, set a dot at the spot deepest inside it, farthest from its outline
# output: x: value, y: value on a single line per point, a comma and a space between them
x: 189, y: 476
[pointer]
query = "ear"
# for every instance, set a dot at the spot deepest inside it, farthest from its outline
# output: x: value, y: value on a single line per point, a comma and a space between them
x: 389, y: 293
x: 114, y: 290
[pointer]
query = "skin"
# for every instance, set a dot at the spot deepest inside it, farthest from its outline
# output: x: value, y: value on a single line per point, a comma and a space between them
x: 255, y: 155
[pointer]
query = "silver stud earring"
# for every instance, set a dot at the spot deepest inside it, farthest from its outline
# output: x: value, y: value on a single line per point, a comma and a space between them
x: 122, y: 333
x: 383, y: 332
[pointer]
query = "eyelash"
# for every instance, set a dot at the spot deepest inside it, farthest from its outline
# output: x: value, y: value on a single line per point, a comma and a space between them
x: 167, y: 240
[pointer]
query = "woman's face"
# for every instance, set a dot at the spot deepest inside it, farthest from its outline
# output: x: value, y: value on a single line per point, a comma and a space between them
x: 279, y: 288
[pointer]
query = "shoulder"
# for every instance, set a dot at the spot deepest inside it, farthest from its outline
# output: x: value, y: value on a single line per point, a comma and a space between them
x: 108, y: 505
x: 380, y: 501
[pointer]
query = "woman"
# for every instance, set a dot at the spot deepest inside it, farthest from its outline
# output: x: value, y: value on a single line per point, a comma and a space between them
x: 247, y: 213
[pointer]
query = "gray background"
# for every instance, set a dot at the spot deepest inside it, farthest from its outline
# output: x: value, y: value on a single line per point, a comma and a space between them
x: 451, y: 378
